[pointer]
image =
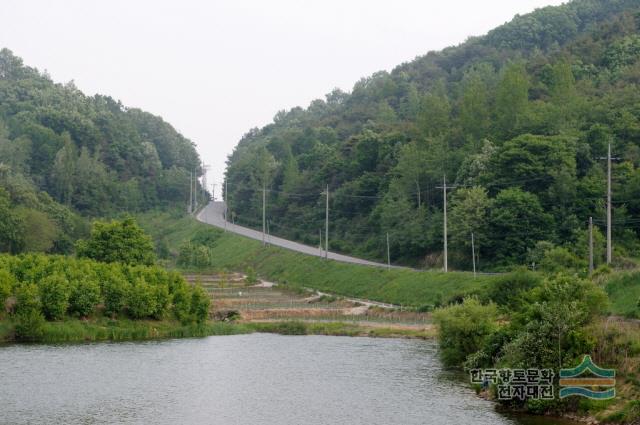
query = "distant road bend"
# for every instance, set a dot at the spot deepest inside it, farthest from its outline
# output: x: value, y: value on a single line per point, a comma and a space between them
x: 213, y: 214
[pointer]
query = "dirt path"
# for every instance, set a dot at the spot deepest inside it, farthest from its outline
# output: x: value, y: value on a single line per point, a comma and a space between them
x: 266, y: 301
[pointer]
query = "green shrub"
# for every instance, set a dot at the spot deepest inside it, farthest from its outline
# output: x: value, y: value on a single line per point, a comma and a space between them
x: 463, y: 329
x: 29, y: 325
x: 28, y: 318
x: 56, y: 285
x: 549, y: 330
x: 252, y: 276
x: 115, y: 291
x: 85, y: 295
x: 182, y: 303
x: 201, y: 256
x: 175, y: 281
x: 54, y: 293
x: 117, y: 241
x: 560, y: 259
x: 162, y: 301
x: 27, y: 298
x: 508, y: 290
x: 162, y: 249
x: 193, y: 254
x: 200, y: 304
x: 207, y: 236
x: 142, y: 300
x: 185, y: 254
x: 7, y: 282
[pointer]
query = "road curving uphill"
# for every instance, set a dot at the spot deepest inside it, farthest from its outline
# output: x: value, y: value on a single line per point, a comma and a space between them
x: 213, y: 214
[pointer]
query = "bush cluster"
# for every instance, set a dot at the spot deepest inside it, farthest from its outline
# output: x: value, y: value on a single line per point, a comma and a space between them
x: 38, y: 287
x: 527, y: 322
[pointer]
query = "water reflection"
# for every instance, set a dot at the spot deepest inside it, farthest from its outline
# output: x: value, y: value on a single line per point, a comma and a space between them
x: 244, y: 379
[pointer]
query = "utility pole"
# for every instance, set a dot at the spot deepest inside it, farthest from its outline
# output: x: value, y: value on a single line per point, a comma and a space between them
x: 473, y: 254
x: 320, y: 246
x: 204, y: 182
x: 326, y: 227
x: 609, y: 205
x: 444, y: 188
x: 264, y: 214
x: 268, y: 233
x: 190, y: 192
x: 194, y: 198
x: 388, y: 253
x: 226, y: 204
x: 590, y: 246
x: 609, y: 158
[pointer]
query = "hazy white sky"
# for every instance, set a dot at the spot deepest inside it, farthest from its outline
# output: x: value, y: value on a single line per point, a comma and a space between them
x: 215, y: 69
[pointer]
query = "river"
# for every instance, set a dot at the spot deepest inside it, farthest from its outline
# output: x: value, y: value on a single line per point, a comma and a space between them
x: 242, y: 379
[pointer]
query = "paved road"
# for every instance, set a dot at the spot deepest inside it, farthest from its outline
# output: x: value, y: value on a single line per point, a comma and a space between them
x: 213, y: 214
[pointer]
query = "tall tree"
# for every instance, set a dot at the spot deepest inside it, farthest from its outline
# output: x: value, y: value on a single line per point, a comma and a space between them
x: 435, y: 112
x: 516, y: 223
x: 469, y: 214
x: 512, y: 99
x: 64, y: 170
x: 475, y: 112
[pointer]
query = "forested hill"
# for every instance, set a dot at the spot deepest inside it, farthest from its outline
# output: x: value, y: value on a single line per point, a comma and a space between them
x: 517, y: 119
x: 90, y: 153
x: 66, y: 157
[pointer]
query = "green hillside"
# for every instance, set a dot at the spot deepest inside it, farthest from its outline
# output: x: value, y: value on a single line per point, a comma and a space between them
x: 518, y: 120
x: 65, y: 156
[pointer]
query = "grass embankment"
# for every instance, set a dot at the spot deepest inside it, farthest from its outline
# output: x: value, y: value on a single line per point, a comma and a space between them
x: 623, y: 289
x: 103, y: 329
x: 402, y: 287
x: 237, y: 253
x: 337, y: 329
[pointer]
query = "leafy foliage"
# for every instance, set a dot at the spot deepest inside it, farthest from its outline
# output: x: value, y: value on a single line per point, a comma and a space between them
x: 56, y: 287
x: 516, y: 119
x: 64, y: 155
x: 464, y: 328
x: 55, y: 293
x: 117, y: 241
x: 91, y: 153
x: 547, y: 327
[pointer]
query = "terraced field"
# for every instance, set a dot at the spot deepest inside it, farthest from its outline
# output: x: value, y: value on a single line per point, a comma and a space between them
x: 264, y: 301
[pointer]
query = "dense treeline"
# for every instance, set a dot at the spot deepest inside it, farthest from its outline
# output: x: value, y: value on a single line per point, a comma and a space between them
x: 517, y: 120
x: 63, y: 153
x: 37, y: 287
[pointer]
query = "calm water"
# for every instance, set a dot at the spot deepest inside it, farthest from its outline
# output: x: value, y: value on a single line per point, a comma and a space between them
x: 244, y: 379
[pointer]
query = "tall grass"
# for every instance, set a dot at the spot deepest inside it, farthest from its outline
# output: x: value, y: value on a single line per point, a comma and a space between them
x: 624, y: 292
x: 102, y: 329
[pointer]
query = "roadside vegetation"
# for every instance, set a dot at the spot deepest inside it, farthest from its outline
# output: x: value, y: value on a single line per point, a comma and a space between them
x: 424, y: 290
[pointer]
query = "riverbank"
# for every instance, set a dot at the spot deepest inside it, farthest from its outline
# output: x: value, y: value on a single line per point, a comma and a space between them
x: 103, y: 329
